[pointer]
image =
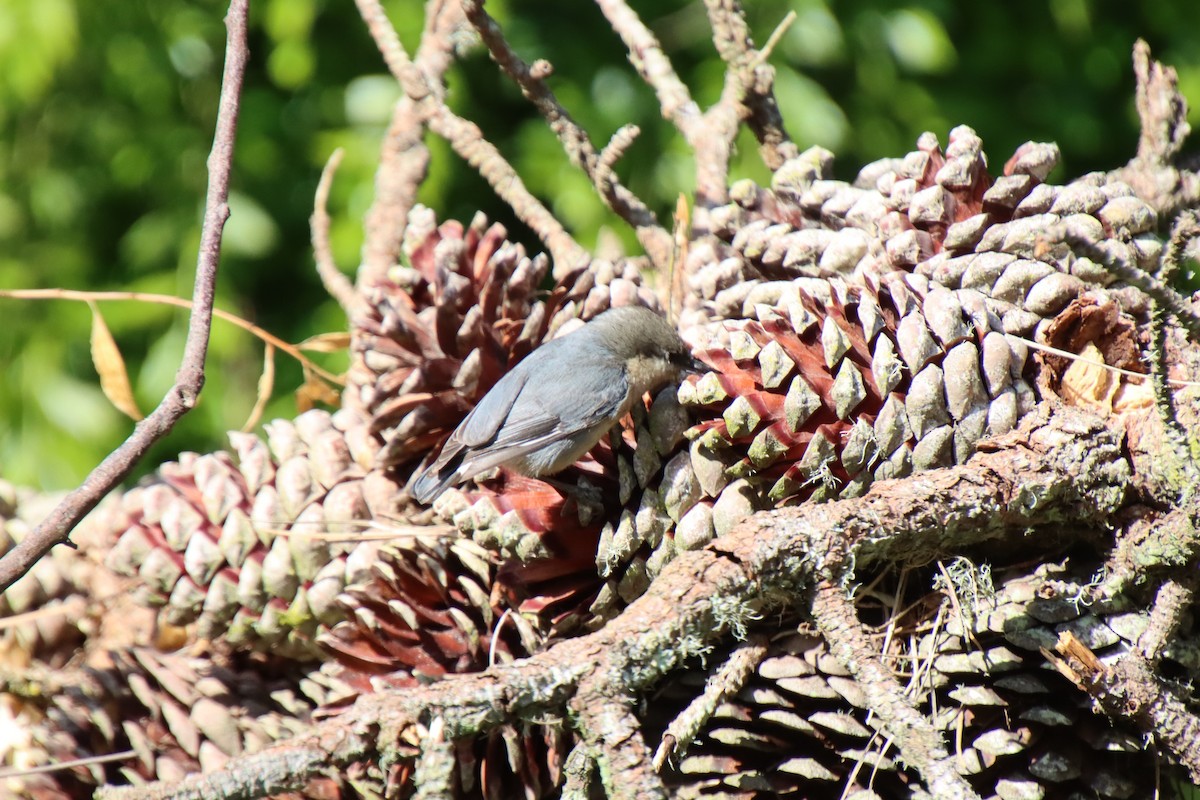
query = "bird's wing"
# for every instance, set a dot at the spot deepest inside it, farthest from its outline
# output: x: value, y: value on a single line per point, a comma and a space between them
x: 540, y: 415
x: 518, y: 416
x: 486, y: 418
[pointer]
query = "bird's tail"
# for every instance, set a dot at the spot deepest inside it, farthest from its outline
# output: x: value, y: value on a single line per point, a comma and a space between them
x: 434, y: 479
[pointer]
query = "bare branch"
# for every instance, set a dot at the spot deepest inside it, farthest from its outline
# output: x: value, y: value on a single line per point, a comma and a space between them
x: 755, y: 78
x: 189, y: 380
x: 710, y: 135
x: 647, y: 57
x: 404, y: 159
x: 467, y: 140
x: 336, y: 283
x: 598, y: 167
x: 1161, y: 108
x: 1163, y: 113
x: 1171, y: 604
x: 746, y: 95
x: 620, y: 141
x: 1131, y: 690
x: 918, y: 741
x: 725, y: 682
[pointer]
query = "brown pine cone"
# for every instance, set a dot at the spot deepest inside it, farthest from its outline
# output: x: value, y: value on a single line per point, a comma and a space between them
x: 254, y: 549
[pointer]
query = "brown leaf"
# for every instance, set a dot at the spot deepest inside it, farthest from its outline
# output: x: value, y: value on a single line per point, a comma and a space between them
x: 266, y: 383
x: 313, y: 391
x: 332, y: 342
x: 1088, y: 382
x: 110, y: 366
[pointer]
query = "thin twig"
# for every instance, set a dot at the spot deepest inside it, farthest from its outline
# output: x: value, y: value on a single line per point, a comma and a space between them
x: 647, y: 57
x: 710, y: 135
x: 575, y: 140
x: 754, y: 78
x: 785, y: 24
x: 1164, y: 399
x: 171, y: 300
x: 336, y: 283
x: 56, y: 528
x: 726, y: 681
x: 404, y: 158
x: 1172, y: 602
x: 59, y: 766
x: 1184, y: 230
x: 467, y: 140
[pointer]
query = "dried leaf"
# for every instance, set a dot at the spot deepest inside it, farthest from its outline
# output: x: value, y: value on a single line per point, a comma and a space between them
x: 1088, y: 383
x: 313, y: 391
x: 110, y: 366
x: 332, y: 342
x: 1133, y: 396
x: 266, y: 384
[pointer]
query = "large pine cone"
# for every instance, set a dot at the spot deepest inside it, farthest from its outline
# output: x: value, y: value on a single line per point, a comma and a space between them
x: 254, y: 547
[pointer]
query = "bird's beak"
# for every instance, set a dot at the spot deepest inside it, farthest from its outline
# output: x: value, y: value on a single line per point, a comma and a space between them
x: 695, y: 367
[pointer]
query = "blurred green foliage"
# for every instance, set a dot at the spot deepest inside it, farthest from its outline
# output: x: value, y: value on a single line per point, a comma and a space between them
x: 106, y: 114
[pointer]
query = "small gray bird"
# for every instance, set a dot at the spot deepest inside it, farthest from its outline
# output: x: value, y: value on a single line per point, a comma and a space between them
x: 556, y: 404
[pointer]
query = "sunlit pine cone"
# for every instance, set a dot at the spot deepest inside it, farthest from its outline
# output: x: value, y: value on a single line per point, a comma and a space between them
x: 818, y: 397
x: 179, y: 715
x: 800, y: 726
x: 938, y: 214
x: 440, y: 331
x: 254, y: 547
x: 433, y: 607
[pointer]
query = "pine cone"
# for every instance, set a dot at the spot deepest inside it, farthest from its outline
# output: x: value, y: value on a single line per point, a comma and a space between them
x: 431, y: 608
x: 68, y: 595
x: 937, y: 214
x: 179, y: 714
x: 255, y: 549
x: 969, y: 655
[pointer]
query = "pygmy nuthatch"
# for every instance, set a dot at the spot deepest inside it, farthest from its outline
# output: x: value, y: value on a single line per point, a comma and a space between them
x: 556, y: 404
